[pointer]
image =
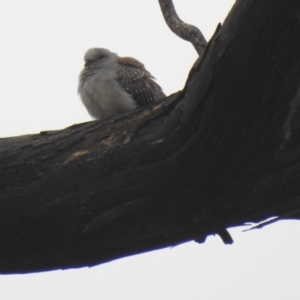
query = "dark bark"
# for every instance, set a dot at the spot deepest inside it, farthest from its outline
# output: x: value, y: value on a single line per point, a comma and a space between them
x: 223, y: 152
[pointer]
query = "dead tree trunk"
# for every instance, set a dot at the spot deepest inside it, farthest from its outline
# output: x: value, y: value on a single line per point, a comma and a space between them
x: 223, y: 152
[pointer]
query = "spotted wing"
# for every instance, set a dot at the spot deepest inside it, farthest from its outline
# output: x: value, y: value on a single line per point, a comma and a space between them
x: 137, y: 81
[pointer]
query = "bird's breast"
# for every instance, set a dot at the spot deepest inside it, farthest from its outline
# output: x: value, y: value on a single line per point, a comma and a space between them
x: 103, y: 96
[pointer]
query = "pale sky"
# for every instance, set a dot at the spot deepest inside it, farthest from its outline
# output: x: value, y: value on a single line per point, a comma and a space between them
x: 43, y: 43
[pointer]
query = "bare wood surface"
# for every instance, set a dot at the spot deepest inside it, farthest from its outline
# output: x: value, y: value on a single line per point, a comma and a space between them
x: 223, y: 152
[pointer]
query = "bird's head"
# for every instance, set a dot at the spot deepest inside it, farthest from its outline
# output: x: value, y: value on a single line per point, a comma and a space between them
x: 98, y: 57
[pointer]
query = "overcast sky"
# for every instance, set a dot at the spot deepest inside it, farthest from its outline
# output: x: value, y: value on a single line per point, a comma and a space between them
x: 42, y: 48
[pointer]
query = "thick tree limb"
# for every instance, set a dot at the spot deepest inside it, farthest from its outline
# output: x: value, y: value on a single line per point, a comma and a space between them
x: 185, y: 31
x: 223, y: 152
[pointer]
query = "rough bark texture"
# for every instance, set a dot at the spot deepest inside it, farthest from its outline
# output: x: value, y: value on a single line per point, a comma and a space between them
x: 223, y: 152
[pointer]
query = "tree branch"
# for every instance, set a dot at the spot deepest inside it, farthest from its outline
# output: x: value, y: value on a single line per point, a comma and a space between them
x: 223, y: 152
x: 185, y: 31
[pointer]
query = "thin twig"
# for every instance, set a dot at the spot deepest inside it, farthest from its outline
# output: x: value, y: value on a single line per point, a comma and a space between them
x: 185, y: 31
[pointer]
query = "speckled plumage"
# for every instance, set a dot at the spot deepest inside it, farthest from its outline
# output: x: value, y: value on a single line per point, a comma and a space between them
x: 109, y: 84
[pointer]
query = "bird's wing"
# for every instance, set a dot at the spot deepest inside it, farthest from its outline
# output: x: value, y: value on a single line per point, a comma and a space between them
x: 137, y: 81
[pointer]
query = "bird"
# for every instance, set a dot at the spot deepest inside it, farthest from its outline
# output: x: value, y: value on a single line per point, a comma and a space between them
x: 110, y: 85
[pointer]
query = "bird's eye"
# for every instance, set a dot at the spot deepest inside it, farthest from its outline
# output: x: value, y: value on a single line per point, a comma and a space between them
x: 100, y: 56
